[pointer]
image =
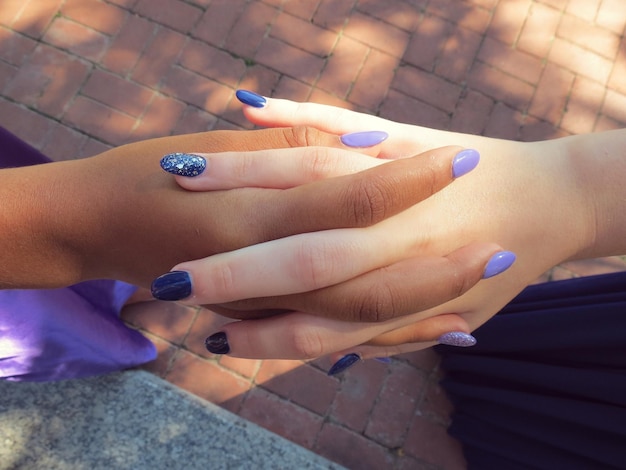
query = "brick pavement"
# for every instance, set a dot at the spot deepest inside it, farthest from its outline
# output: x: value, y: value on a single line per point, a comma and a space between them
x: 80, y: 76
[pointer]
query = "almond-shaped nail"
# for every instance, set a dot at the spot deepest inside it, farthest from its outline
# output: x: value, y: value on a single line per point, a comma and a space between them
x: 364, y: 139
x: 464, y: 162
x: 499, y: 263
x: 344, y: 364
x: 457, y: 338
x: 183, y: 164
x: 175, y: 285
x: 251, y: 98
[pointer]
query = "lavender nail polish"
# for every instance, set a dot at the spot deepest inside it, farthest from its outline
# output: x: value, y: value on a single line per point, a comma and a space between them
x: 499, y: 263
x: 251, y: 98
x: 175, y: 285
x: 217, y: 343
x: 364, y: 139
x: 183, y: 164
x: 344, y: 363
x: 464, y: 162
x: 457, y: 338
x: 384, y: 360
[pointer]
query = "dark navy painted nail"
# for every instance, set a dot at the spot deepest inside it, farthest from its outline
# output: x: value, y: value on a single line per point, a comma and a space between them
x: 364, y: 139
x: 183, y: 164
x: 251, y: 98
x: 344, y: 363
x: 499, y: 263
x: 175, y: 285
x: 464, y: 162
x: 217, y: 343
x: 457, y: 338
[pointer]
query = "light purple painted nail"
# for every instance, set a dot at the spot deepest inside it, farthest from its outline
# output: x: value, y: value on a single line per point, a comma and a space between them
x: 499, y: 263
x: 364, y: 139
x: 384, y: 360
x: 464, y: 162
x: 457, y: 338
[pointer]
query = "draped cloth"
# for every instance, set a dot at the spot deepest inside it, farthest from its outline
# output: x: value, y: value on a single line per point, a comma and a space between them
x: 545, y: 386
x: 72, y: 332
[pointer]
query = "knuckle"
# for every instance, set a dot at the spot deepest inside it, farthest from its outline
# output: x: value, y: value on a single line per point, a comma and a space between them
x: 223, y: 283
x: 368, y: 200
x: 378, y: 304
x: 305, y: 341
x: 317, y: 163
x: 459, y: 281
x: 313, y: 265
x: 302, y: 136
x: 244, y: 166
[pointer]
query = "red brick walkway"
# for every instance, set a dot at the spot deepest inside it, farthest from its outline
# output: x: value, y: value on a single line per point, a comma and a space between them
x: 79, y: 76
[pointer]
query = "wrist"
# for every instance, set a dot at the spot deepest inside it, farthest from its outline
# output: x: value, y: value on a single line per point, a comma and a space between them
x: 38, y: 202
x: 599, y: 164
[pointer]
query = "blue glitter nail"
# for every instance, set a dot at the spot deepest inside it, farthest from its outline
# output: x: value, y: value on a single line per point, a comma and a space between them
x: 344, y: 363
x: 183, y: 164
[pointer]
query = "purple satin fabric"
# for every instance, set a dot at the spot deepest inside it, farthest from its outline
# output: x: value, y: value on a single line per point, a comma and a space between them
x: 64, y: 333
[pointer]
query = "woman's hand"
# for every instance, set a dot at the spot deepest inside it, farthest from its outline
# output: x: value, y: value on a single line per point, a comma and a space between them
x: 536, y: 199
x: 118, y: 215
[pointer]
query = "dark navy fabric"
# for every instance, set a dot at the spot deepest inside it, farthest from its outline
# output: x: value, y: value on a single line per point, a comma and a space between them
x: 545, y: 386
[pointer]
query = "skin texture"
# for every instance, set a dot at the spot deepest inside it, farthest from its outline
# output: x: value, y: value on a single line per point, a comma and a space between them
x: 118, y: 215
x: 546, y: 201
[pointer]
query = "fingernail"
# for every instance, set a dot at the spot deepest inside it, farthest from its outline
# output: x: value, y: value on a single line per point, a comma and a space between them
x: 183, y: 164
x: 251, y: 98
x: 457, y: 338
x: 498, y: 263
x: 364, y: 139
x: 344, y: 363
x: 464, y: 162
x: 217, y: 343
x: 175, y: 285
x: 384, y: 360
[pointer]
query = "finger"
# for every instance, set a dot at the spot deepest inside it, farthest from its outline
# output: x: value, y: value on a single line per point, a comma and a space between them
x: 404, y: 142
x: 275, y: 168
x: 279, y: 112
x: 290, y: 336
x: 312, y: 261
x: 421, y: 334
x: 411, y: 285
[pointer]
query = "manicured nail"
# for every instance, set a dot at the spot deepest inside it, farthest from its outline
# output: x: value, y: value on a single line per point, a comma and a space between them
x: 344, y: 363
x: 457, y: 338
x: 217, y: 343
x: 499, y: 263
x: 183, y: 164
x: 251, y: 98
x: 464, y: 162
x: 175, y: 285
x: 364, y: 139
x: 384, y: 360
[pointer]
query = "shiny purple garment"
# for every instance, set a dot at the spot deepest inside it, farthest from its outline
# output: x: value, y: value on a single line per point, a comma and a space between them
x: 64, y: 333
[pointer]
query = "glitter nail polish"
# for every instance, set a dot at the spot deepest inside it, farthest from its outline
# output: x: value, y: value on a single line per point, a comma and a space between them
x: 457, y: 338
x: 183, y: 164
